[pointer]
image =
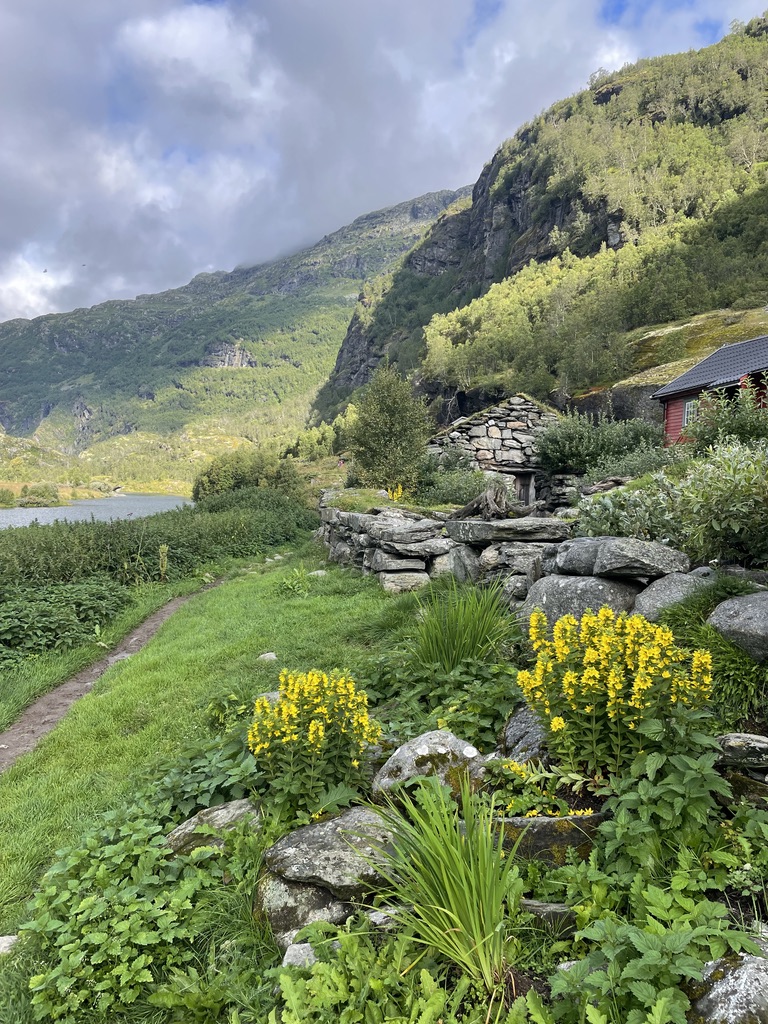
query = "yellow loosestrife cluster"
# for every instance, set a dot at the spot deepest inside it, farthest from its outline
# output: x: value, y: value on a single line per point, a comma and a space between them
x: 313, y: 710
x: 596, y: 680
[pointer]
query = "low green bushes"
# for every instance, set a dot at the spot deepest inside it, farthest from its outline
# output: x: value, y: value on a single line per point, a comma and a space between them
x: 577, y: 442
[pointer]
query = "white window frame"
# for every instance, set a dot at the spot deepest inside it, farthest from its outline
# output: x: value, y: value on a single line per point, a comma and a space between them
x: 690, y: 411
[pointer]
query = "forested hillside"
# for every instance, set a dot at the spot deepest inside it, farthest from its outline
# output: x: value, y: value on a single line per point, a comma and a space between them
x: 641, y: 200
x: 152, y: 385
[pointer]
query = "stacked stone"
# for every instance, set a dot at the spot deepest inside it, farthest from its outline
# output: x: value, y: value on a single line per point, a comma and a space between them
x: 500, y: 439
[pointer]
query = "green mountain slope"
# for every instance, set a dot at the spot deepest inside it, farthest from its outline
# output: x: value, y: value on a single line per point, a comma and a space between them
x: 166, y: 379
x: 642, y: 199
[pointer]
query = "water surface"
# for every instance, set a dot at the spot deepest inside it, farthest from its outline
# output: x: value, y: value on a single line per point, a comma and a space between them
x: 118, y: 506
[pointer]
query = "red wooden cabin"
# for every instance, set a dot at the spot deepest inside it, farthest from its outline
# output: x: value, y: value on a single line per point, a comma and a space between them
x: 727, y: 369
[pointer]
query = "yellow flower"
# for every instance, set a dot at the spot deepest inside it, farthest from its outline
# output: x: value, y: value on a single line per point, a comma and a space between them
x: 557, y: 724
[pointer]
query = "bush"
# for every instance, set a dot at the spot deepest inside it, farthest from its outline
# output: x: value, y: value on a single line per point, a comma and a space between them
x: 637, y: 463
x: 646, y: 512
x: 577, y: 442
x: 253, y: 467
x: 388, y: 439
x: 447, y: 483
x: 741, y: 417
x: 7, y: 498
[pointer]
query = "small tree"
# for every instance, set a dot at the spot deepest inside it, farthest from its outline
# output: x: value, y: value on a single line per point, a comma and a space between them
x: 389, y: 438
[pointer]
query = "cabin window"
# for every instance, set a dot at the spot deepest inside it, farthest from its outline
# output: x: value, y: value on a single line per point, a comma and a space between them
x: 690, y: 411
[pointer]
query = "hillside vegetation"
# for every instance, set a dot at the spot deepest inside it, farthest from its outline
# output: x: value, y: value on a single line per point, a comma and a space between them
x: 639, y: 201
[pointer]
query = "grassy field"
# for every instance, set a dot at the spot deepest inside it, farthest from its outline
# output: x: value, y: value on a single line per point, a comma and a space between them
x: 146, y: 709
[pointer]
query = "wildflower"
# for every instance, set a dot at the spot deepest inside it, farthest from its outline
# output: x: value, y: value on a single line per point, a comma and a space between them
x: 557, y: 724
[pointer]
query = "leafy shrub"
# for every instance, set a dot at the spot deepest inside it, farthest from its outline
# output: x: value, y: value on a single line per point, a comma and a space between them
x: 7, y: 498
x: 388, y: 439
x: 597, y: 687
x: 479, y: 700
x: 740, y: 417
x: 646, y: 512
x: 110, y: 914
x: 310, y: 740
x: 576, y: 442
x: 254, y: 467
x: 459, y: 623
x: 638, y: 462
x: 448, y: 480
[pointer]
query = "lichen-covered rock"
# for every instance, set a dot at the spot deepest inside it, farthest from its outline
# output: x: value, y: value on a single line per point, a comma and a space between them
x: 577, y: 557
x: 338, y: 854
x: 524, y: 736
x: 460, y: 562
x: 291, y: 906
x: 735, y: 991
x: 187, y: 836
x: 400, y: 582
x: 519, y: 558
x: 743, y: 750
x: 550, y: 839
x: 437, y: 753
x: 477, y: 531
x: 299, y: 954
x: 574, y: 595
x: 744, y: 621
x: 638, y: 559
x: 7, y: 942
x: 665, y: 592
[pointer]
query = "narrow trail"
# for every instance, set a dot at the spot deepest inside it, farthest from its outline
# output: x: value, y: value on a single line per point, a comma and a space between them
x: 47, y: 711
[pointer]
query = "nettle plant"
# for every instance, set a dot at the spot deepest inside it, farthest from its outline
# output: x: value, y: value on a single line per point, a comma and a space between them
x: 605, y: 687
x: 309, y: 743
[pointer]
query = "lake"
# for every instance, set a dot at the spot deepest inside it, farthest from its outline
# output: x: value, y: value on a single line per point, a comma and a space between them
x: 118, y: 506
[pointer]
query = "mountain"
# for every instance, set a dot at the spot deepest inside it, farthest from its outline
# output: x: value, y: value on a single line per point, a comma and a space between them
x: 642, y: 199
x: 148, y: 387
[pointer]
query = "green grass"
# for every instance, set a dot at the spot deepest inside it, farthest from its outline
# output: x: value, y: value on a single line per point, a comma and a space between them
x: 23, y: 684
x: 147, y: 709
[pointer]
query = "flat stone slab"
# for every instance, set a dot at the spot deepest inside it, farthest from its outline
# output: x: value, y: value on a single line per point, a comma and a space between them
x: 574, y: 595
x: 549, y: 839
x: 638, y: 559
x: 404, y: 531
x: 744, y: 621
x: 186, y: 836
x: 334, y: 854
x: 666, y: 592
x: 438, y: 753
x: 420, y: 549
x: 400, y: 582
x: 743, y: 750
x: 480, y: 532
x: 382, y: 562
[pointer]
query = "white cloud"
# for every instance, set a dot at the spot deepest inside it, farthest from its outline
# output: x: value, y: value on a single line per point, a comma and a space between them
x: 151, y: 139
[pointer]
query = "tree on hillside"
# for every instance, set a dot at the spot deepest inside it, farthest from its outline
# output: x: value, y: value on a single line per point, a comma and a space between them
x: 389, y: 438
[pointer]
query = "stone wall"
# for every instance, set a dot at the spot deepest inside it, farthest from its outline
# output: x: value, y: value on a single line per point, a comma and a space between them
x: 500, y: 439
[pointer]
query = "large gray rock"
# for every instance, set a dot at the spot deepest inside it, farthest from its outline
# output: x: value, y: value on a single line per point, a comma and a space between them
x: 477, y: 531
x: 187, y: 836
x: 400, y: 582
x: 335, y: 854
x: 665, y: 592
x: 638, y: 559
x: 524, y: 736
x: 744, y: 750
x: 404, y: 531
x: 515, y: 589
x: 549, y: 839
x: 736, y: 990
x: 461, y: 562
x: 744, y: 621
x: 7, y: 942
x: 577, y: 557
x: 291, y: 906
x: 574, y: 595
x: 519, y: 558
x: 437, y: 753
x: 382, y: 562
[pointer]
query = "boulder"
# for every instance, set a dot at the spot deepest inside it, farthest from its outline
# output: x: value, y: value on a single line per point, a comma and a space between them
x: 336, y: 854
x: 382, y: 562
x: 664, y: 592
x: 519, y: 558
x: 291, y: 906
x: 399, y: 582
x: 299, y: 954
x: 480, y: 532
x: 638, y: 559
x: 524, y: 736
x: 186, y: 837
x: 743, y: 750
x: 735, y: 990
x: 461, y: 562
x: 549, y: 839
x: 574, y: 595
x: 744, y: 621
x: 7, y: 942
x: 438, y: 753
x: 577, y: 557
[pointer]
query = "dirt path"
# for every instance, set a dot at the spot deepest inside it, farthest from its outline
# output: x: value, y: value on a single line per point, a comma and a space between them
x: 47, y: 711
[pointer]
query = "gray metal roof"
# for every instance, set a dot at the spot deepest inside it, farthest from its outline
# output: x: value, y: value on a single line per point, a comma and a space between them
x: 726, y: 366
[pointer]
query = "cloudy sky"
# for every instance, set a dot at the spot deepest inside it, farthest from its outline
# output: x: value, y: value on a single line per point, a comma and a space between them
x: 144, y: 141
